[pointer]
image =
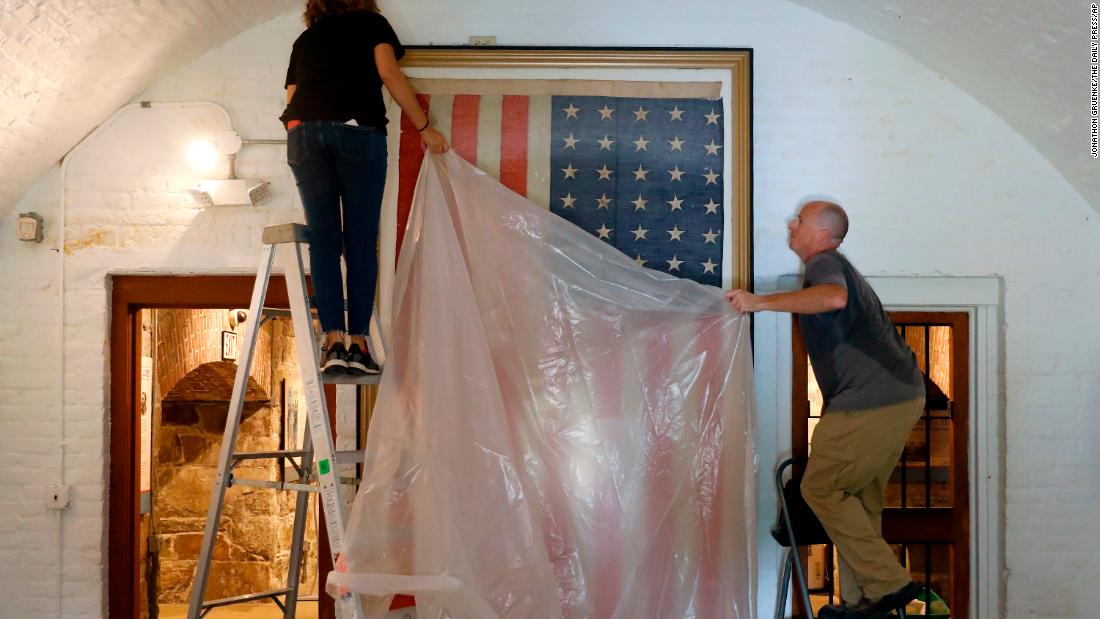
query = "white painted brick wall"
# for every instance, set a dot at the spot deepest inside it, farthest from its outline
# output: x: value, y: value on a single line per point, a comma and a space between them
x: 1015, y: 57
x: 54, y: 54
x: 935, y: 184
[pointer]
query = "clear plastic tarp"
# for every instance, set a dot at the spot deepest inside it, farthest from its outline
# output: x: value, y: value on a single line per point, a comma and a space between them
x: 558, y: 433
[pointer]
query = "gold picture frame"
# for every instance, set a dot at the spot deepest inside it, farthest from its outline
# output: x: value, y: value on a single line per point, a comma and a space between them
x: 731, y: 67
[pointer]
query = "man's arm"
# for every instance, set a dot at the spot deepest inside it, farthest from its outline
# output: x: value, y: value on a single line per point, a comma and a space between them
x: 813, y: 300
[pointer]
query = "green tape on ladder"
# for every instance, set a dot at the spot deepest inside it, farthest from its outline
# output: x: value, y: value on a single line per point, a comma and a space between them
x: 323, y: 466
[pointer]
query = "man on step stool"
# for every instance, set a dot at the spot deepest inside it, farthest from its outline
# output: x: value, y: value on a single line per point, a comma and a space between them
x: 874, y: 394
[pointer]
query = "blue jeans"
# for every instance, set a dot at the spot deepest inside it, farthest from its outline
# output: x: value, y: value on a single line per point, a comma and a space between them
x: 341, y: 174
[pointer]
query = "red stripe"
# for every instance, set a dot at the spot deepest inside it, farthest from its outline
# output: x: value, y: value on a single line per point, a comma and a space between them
x: 513, y: 143
x: 707, y: 473
x: 410, y: 158
x: 658, y: 564
x: 464, y: 126
x: 607, y: 516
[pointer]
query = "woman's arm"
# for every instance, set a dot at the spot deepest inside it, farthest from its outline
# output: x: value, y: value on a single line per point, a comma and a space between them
x: 402, y: 92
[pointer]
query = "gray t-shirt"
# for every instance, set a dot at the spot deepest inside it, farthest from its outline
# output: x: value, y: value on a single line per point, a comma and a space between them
x: 859, y: 358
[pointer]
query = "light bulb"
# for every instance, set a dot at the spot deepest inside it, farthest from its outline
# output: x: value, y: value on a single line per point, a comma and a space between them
x: 202, y: 155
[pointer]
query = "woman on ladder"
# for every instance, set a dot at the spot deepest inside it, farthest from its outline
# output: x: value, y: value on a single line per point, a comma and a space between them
x: 336, y: 147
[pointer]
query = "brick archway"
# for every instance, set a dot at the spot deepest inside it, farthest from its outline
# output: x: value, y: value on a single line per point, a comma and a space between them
x: 189, y: 338
x: 247, y: 556
x: 213, y: 382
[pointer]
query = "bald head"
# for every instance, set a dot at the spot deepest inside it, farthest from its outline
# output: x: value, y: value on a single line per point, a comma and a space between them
x: 830, y: 216
x: 820, y: 226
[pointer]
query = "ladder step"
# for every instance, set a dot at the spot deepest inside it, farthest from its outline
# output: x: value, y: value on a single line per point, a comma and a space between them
x: 349, y: 457
x: 240, y: 599
x: 285, y: 233
x: 284, y: 485
x: 274, y: 485
x: 276, y: 312
x: 279, y: 312
x: 282, y: 312
x: 342, y: 457
x: 263, y: 455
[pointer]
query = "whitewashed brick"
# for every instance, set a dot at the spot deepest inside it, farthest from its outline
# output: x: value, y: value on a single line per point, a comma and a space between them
x: 49, y: 85
x: 1015, y: 58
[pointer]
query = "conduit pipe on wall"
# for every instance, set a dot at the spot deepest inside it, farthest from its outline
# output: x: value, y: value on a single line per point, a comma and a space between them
x: 61, y: 296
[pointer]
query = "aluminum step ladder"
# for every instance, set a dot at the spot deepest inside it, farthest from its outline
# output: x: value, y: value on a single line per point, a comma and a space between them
x: 317, y: 448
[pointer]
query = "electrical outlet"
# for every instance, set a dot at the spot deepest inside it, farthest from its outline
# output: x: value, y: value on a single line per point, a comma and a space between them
x: 483, y: 41
x: 57, y: 497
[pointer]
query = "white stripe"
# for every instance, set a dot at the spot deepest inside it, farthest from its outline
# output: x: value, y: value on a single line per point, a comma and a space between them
x: 439, y: 109
x: 538, y: 151
x: 488, y: 134
x: 684, y: 508
x: 387, y: 231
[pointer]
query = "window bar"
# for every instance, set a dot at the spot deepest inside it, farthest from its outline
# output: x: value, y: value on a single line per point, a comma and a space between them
x: 904, y: 466
x: 829, y: 550
x: 927, y: 579
x: 928, y: 423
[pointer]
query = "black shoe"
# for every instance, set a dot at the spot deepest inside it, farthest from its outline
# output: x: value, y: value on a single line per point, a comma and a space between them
x: 334, y: 360
x: 360, y: 362
x: 837, y: 611
x: 832, y: 611
x: 888, y: 603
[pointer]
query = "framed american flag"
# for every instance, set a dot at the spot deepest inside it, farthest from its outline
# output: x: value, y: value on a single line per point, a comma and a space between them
x: 647, y: 149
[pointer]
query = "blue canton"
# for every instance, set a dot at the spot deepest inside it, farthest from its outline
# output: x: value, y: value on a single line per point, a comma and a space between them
x: 644, y: 175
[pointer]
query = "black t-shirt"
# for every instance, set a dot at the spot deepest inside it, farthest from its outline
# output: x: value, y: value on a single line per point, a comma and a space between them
x: 859, y: 358
x: 332, y: 65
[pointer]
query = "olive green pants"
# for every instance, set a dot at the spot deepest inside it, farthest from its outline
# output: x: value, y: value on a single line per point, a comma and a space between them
x: 852, y: 455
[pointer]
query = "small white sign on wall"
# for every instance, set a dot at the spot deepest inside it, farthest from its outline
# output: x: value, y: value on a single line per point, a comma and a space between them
x: 145, y: 412
x: 229, y: 346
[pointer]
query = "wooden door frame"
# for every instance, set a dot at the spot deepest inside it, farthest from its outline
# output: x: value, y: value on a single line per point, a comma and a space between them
x: 958, y: 524
x: 129, y: 294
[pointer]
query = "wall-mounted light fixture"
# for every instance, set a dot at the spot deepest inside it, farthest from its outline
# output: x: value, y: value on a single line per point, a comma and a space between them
x: 203, y: 154
x: 237, y: 317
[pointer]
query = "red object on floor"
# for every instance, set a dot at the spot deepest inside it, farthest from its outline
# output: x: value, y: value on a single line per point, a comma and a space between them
x: 402, y: 601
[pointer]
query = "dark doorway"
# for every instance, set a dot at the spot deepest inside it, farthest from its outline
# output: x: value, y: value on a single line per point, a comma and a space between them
x: 926, y: 519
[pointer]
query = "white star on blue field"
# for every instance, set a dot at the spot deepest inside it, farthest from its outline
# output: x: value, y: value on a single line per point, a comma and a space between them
x: 644, y: 175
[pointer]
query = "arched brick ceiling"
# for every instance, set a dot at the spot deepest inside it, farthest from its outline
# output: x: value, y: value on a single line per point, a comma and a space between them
x: 1026, y: 60
x: 213, y: 382
x: 66, y: 65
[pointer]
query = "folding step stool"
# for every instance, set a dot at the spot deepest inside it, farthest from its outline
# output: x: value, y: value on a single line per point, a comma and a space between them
x: 797, y: 526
